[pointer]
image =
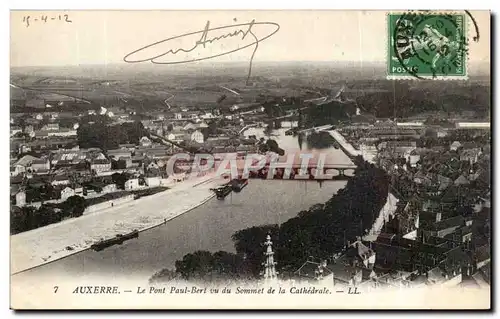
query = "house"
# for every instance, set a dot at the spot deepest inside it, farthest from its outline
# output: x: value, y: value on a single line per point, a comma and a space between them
x: 444, y: 227
x: 42, y: 164
x: 109, y: 188
x: 132, y: 184
x: 455, y: 146
x: 402, y: 148
x: 28, y: 129
x: 145, y: 141
x: 413, y: 158
x: 20, y: 198
x: 461, y: 180
x: 152, y: 181
x: 482, y: 256
x: 15, y: 170
x: 395, y: 252
x: 51, y: 127
x: 60, y: 180
x: 441, y: 133
x: 176, y: 136
x: 461, y: 235
x: 207, y: 115
x: 67, y: 192
x: 121, y: 152
x: 130, y: 147
x: 349, y: 269
x: 137, y: 160
x: 69, y: 156
x: 197, y: 136
x: 219, y: 140
x: 192, y: 115
x: 470, y: 155
x: 158, y: 153
x: 41, y: 134
x: 26, y: 160
x: 152, y: 166
x: 78, y: 190
x: 246, y: 148
x: 127, y: 160
x: 311, y: 270
x: 443, y: 182
x: 100, y: 165
x: 178, y: 116
x: 439, y: 276
x: 63, y: 132
x: 190, y: 127
x: 14, y: 130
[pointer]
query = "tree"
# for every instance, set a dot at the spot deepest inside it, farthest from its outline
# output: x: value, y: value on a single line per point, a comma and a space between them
x: 195, y: 266
x: 205, y: 266
x: 21, y: 219
x: 322, y: 230
x: 163, y: 276
x: 270, y: 146
x: 107, y: 137
x: 320, y: 140
x: 74, y: 206
x: 119, y: 179
x: 248, y: 242
x: 119, y: 164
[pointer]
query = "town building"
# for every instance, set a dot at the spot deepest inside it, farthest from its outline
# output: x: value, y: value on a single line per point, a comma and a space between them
x: 152, y: 181
x: 197, y: 137
x: 120, y: 152
x: 51, y: 127
x: 67, y: 192
x: 100, y: 165
x: 145, y: 141
x: 60, y: 180
x: 109, y: 188
x: 132, y: 184
x: 20, y: 198
x: 42, y: 164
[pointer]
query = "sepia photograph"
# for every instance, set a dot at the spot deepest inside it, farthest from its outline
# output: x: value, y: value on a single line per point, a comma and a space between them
x: 285, y: 159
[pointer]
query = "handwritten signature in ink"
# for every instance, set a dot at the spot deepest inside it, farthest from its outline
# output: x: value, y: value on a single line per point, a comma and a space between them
x: 157, y: 50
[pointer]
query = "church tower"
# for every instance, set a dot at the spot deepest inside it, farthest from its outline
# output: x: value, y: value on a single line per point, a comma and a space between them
x: 269, y: 265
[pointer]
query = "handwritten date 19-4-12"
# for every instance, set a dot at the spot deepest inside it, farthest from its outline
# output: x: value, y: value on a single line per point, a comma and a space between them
x: 28, y: 20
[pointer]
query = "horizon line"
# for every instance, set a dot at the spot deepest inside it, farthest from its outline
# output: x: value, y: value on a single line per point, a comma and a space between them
x: 222, y: 62
x: 198, y: 63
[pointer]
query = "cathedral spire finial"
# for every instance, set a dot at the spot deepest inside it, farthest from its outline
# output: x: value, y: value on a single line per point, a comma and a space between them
x: 269, y: 265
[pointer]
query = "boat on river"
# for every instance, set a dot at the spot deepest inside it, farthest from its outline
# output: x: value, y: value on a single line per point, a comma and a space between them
x: 117, y: 240
x: 222, y: 191
x: 238, y: 184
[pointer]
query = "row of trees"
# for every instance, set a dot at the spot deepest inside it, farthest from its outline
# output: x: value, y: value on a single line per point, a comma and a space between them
x: 321, y: 231
x: 28, y: 217
x: 108, y: 137
x: 320, y: 140
x: 270, y: 146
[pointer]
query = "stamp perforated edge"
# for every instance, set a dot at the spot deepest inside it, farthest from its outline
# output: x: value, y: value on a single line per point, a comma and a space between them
x: 390, y: 76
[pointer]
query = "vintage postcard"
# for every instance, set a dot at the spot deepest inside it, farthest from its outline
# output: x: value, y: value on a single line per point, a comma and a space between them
x: 250, y: 159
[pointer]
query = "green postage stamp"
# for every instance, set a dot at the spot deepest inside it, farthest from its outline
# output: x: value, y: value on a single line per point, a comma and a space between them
x: 427, y: 45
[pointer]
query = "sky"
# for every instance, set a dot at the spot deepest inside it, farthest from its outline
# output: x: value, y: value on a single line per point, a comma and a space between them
x: 106, y: 37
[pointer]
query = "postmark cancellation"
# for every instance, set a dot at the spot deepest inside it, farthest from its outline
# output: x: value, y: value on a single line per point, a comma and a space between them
x: 427, y: 45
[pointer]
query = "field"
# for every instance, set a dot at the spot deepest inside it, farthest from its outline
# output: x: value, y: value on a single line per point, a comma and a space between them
x: 206, y: 86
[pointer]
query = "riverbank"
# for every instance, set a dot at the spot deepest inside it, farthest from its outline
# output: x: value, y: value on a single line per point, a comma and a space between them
x: 390, y: 206
x: 344, y: 145
x: 29, y: 251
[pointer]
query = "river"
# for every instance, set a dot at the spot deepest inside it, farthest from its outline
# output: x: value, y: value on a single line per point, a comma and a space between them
x: 207, y: 227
